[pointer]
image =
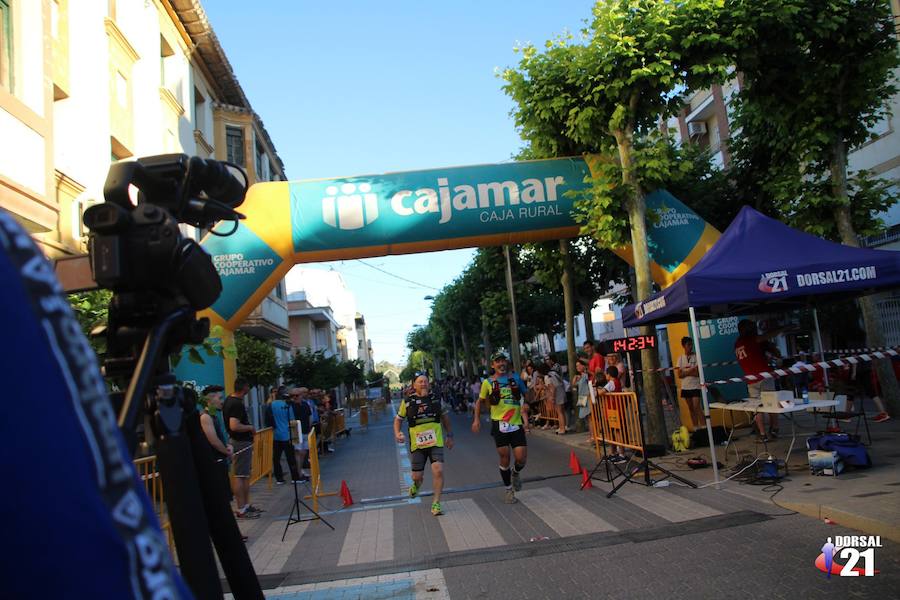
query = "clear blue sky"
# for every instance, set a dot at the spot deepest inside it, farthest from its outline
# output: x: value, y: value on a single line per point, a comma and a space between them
x: 358, y: 87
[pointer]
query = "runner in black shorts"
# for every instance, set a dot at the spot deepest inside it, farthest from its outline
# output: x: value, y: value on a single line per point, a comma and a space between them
x: 504, y: 393
x: 423, y: 411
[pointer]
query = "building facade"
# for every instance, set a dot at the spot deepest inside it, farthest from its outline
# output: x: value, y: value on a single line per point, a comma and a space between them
x: 88, y: 82
x: 311, y: 290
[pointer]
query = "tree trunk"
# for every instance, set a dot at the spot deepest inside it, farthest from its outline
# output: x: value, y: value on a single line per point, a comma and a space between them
x: 467, y: 364
x: 486, y: 341
x: 454, y: 369
x: 568, y: 287
x: 890, y: 391
x: 637, y: 209
x: 586, y: 307
x: 513, y: 320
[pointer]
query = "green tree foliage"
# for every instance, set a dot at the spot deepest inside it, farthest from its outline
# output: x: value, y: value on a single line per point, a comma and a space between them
x: 596, y: 270
x: 375, y: 377
x: 816, y: 79
x: 354, y: 372
x: 92, y: 310
x: 256, y: 360
x: 314, y: 370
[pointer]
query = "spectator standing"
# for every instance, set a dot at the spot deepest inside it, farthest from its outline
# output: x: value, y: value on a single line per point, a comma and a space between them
x: 751, y: 350
x: 327, y: 417
x: 613, y: 359
x: 278, y: 417
x: 582, y: 384
x: 594, y: 357
x: 214, y: 429
x: 554, y: 390
x: 474, y: 390
x: 303, y: 418
x: 241, y: 433
x: 613, y: 385
x: 689, y: 372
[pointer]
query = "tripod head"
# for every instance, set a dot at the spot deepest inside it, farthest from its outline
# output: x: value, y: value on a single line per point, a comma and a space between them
x: 138, y: 251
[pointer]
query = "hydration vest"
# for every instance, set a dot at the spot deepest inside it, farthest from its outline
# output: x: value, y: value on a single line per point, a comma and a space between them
x: 413, y: 417
x: 513, y: 388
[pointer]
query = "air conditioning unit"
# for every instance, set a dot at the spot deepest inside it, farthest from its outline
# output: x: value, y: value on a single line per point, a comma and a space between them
x: 696, y: 129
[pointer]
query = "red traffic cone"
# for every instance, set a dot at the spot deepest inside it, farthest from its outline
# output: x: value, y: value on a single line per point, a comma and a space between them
x: 574, y: 465
x: 585, y: 480
x: 345, y: 494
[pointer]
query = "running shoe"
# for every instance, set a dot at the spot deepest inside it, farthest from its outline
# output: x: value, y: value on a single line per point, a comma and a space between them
x: 510, y: 496
x: 413, y: 490
x: 246, y: 515
x: 516, y: 481
x: 279, y: 482
x: 252, y: 509
x: 436, y: 509
x: 882, y: 417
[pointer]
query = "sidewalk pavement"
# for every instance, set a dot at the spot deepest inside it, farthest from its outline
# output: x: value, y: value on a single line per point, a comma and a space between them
x: 863, y: 499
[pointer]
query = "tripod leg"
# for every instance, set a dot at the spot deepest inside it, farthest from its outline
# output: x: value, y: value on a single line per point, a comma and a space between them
x: 316, y: 515
x: 673, y: 475
x: 625, y: 480
x: 295, y: 508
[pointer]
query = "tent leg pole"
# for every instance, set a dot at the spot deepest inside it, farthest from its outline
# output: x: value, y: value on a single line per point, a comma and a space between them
x: 712, y: 445
x: 821, y: 347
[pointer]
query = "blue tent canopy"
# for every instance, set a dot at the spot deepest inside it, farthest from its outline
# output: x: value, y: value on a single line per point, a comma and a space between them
x: 760, y: 264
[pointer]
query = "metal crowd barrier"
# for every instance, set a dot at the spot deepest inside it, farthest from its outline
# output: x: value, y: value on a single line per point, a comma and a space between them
x: 146, y: 468
x: 615, y: 418
x: 315, y: 474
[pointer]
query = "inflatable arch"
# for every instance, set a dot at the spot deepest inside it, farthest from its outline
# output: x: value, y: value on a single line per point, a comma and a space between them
x: 420, y: 211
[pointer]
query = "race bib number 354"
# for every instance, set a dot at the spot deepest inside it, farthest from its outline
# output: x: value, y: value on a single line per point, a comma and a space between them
x: 426, y: 439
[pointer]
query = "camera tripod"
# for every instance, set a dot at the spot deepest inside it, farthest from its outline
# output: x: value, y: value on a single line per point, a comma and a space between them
x: 299, y: 519
x: 196, y: 492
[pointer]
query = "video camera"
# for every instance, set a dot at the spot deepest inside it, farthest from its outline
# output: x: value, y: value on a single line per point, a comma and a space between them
x: 138, y: 251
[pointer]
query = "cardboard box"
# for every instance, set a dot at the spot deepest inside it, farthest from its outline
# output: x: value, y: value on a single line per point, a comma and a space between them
x: 774, y: 399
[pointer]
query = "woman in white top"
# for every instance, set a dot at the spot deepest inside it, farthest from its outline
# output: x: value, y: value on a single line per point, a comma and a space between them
x: 690, y: 381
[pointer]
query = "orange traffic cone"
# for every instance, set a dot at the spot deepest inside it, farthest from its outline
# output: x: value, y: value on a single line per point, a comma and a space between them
x: 345, y: 494
x: 574, y: 465
x: 585, y: 480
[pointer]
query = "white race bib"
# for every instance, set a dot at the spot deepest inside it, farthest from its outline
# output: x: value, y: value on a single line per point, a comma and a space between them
x: 506, y: 427
x: 426, y: 439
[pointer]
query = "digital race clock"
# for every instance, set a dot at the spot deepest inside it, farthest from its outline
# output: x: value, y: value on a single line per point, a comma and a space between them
x: 632, y: 343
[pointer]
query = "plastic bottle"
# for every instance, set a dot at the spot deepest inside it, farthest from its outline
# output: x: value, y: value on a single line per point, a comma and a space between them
x: 805, y: 396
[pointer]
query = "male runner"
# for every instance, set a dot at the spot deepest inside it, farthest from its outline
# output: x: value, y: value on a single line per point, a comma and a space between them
x: 509, y: 421
x: 422, y: 410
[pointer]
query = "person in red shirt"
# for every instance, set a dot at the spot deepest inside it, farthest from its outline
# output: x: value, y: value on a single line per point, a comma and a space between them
x: 595, y: 358
x: 751, y: 349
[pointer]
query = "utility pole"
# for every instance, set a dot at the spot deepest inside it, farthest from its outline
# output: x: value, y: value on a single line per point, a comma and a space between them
x: 513, y: 320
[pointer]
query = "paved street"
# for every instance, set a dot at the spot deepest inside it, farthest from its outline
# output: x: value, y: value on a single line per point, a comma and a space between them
x: 558, y: 540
